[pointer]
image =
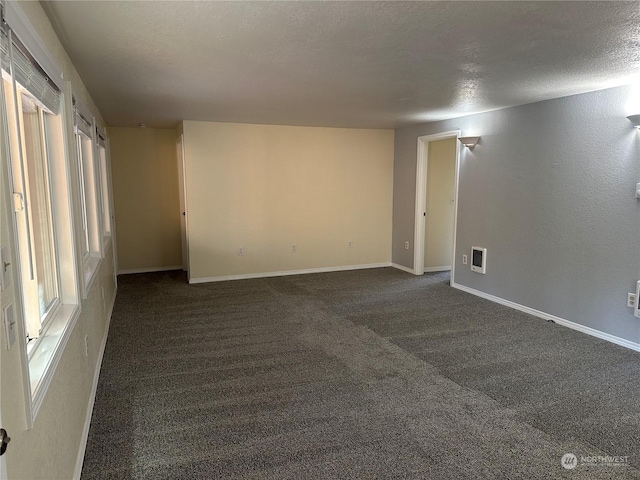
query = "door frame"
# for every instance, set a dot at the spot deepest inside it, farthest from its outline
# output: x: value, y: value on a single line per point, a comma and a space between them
x: 422, y: 163
x: 182, y: 187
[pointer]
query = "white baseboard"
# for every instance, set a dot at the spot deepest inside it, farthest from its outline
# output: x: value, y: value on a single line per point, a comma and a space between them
x: 403, y: 268
x: 437, y: 269
x: 92, y: 396
x: 149, y: 269
x: 546, y: 316
x: 246, y: 276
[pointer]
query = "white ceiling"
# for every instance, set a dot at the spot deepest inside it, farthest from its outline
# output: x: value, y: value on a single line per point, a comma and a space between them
x: 344, y: 64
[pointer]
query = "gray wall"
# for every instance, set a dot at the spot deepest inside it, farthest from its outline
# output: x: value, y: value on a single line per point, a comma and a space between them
x: 549, y: 191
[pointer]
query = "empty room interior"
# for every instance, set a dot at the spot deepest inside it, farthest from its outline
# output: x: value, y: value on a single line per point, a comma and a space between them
x: 319, y: 239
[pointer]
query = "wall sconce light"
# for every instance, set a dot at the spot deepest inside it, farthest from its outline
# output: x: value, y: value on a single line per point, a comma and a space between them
x: 635, y: 119
x: 470, y: 142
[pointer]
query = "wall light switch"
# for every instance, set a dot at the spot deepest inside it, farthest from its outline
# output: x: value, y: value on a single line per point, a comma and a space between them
x: 9, y: 325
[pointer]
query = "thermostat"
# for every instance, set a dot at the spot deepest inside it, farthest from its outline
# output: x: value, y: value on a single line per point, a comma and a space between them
x: 479, y: 260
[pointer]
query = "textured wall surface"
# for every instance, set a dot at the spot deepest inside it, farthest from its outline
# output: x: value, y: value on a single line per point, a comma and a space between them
x: 549, y: 191
x: 145, y: 195
x: 265, y: 188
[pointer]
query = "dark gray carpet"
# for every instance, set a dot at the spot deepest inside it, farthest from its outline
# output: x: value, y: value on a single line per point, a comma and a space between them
x: 363, y: 374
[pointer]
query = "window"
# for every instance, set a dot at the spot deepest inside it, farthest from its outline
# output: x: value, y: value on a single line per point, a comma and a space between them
x: 42, y: 211
x: 41, y: 285
x: 30, y: 124
x: 103, y: 162
x: 90, y: 194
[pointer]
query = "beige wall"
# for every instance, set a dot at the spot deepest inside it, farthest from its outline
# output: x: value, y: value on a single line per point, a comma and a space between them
x: 50, y: 449
x: 441, y: 169
x: 267, y: 187
x: 145, y: 192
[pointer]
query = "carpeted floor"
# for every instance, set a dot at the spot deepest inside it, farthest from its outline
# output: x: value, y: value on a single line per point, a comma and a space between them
x: 361, y: 374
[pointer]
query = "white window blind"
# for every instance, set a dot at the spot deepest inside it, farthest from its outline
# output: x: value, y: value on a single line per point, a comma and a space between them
x: 101, y: 140
x: 81, y: 119
x: 4, y: 49
x: 17, y: 61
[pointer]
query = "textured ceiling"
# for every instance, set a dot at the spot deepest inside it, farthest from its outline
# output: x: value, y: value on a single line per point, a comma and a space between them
x: 345, y: 64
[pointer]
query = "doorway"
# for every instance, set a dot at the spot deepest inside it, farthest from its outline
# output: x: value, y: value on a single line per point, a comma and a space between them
x: 439, y: 205
x: 183, y: 204
x: 436, y: 202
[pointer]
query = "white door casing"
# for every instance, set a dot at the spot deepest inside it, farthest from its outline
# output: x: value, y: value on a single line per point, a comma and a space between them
x: 421, y: 195
x: 183, y: 203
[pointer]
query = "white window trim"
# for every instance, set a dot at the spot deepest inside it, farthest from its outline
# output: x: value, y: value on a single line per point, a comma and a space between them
x: 44, y: 319
x: 90, y: 262
x: 43, y: 356
x: 41, y: 364
x: 46, y: 357
x: 105, y: 184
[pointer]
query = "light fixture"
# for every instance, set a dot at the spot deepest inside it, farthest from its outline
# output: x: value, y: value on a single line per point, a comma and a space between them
x: 469, y: 142
x: 635, y: 119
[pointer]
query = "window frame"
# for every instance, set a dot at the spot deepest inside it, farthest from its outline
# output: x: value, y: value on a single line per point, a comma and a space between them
x: 104, y: 173
x: 90, y: 194
x: 46, y: 317
x: 41, y: 360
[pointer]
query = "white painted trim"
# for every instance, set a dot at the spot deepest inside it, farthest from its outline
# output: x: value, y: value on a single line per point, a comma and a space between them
x: 15, y: 254
x: 437, y: 269
x: 68, y: 316
x: 546, y: 316
x: 455, y: 211
x: 421, y: 193
x: 182, y: 190
x: 402, y: 267
x: 421, y: 197
x: 246, y: 276
x: 92, y: 396
x: 149, y: 269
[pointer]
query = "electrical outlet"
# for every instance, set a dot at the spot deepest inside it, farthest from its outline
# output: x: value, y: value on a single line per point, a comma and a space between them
x: 465, y: 259
x: 406, y: 245
x: 240, y: 251
x: 631, y: 300
x: 294, y: 248
x: 350, y: 244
